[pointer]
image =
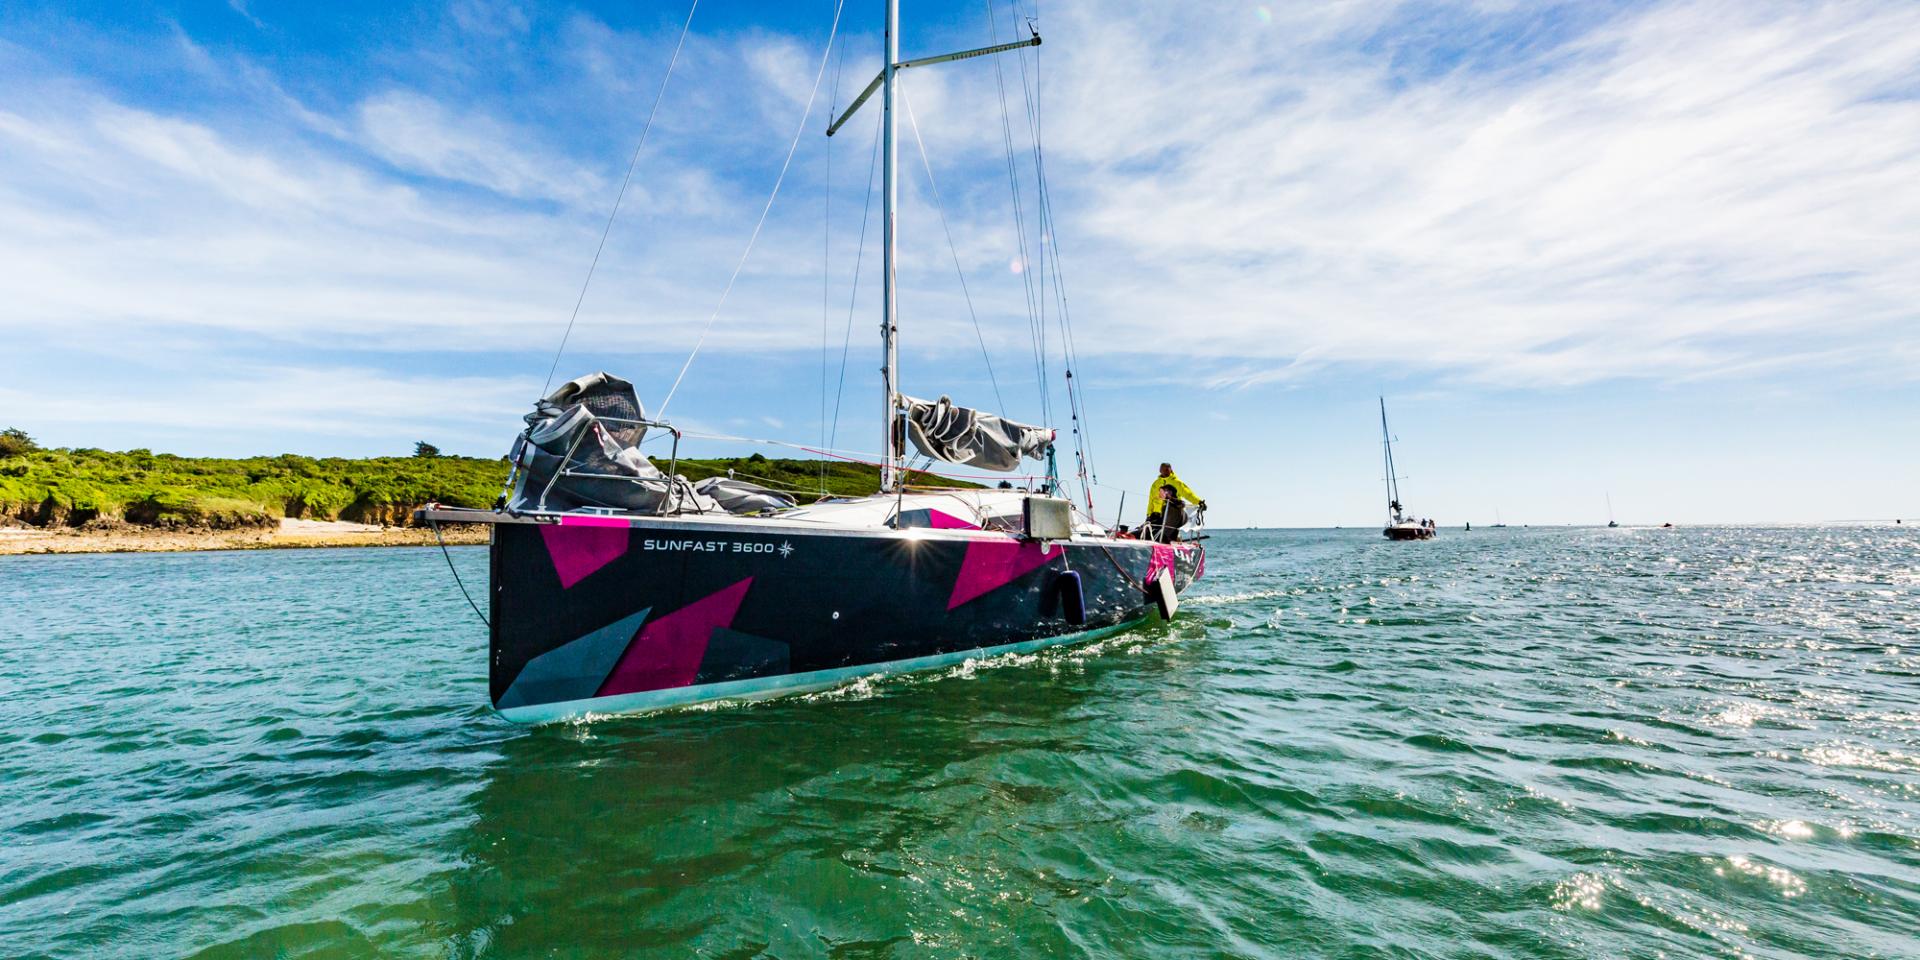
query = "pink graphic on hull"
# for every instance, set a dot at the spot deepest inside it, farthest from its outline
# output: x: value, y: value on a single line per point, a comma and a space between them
x: 990, y: 565
x: 1167, y: 556
x: 668, y: 651
x: 1162, y: 560
x: 947, y: 521
x: 581, y: 545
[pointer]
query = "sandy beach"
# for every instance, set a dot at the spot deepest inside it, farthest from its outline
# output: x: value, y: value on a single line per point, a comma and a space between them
x: 290, y: 533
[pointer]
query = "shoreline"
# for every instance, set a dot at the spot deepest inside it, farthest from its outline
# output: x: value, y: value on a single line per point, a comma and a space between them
x: 290, y: 534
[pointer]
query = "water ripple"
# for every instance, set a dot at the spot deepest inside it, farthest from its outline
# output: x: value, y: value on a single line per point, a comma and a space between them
x: 1515, y: 743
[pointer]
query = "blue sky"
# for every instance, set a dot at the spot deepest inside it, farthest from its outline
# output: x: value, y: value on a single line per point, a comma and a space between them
x: 1662, y: 250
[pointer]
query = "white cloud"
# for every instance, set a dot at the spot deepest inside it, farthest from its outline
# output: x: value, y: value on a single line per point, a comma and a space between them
x: 490, y: 18
x: 124, y: 222
x: 781, y: 70
x: 418, y: 134
x: 1687, y: 190
x: 1680, y: 191
x: 240, y: 7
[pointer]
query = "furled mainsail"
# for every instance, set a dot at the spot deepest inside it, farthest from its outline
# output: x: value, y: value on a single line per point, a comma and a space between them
x: 960, y: 435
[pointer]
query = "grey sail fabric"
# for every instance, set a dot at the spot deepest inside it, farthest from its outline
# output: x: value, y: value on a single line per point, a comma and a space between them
x: 739, y: 496
x: 960, y: 435
x: 599, y: 395
x: 581, y: 450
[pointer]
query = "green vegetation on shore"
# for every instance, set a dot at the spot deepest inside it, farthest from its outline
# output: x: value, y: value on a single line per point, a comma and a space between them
x: 76, y: 487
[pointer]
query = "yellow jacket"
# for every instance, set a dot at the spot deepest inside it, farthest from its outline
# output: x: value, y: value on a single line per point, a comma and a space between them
x: 1180, y: 489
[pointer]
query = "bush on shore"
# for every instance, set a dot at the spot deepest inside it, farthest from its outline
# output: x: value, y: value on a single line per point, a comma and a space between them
x: 14, y: 441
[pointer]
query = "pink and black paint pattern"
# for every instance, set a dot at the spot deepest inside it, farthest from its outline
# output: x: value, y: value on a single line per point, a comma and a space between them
x: 608, y: 608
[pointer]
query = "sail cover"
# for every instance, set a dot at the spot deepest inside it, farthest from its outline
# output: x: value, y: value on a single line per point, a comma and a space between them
x: 581, y: 449
x: 739, y: 496
x: 959, y: 435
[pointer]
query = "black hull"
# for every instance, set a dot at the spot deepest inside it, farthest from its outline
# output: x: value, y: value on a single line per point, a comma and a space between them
x: 1402, y: 533
x: 607, y: 615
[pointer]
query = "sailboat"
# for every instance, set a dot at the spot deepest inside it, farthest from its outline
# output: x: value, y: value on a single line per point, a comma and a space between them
x: 1498, y: 524
x: 1399, y: 526
x: 614, y: 586
x: 1611, y: 522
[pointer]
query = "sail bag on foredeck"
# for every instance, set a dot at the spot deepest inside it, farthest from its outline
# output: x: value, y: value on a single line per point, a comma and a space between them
x: 581, y: 448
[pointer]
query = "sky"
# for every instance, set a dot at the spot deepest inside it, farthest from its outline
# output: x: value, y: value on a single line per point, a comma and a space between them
x: 1663, y: 252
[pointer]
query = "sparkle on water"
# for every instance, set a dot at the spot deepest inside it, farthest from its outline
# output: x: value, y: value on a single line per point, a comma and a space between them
x: 1538, y: 743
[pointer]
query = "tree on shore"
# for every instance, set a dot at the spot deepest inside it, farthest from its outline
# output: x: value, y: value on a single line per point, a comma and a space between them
x: 14, y: 441
x: 424, y: 450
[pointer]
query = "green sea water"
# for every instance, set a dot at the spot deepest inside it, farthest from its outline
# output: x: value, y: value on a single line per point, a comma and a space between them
x: 1508, y: 743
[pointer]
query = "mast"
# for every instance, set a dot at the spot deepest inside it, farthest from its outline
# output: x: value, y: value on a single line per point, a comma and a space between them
x: 890, y: 441
x: 1393, y: 484
x: 889, y: 195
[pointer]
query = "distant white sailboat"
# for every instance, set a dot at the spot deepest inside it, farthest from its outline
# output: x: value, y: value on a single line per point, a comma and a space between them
x: 1399, y: 526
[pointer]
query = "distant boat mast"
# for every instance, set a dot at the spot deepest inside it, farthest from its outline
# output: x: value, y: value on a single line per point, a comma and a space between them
x: 1393, y: 482
x: 1398, y: 526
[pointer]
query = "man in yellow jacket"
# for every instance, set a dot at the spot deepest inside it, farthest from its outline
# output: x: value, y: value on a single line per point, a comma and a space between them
x: 1166, y: 506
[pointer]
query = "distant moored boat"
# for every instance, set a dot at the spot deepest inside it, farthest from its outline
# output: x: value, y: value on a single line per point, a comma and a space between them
x: 1399, y: 526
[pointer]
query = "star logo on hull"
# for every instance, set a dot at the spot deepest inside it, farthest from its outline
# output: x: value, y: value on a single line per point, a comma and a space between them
x: 786, y: 549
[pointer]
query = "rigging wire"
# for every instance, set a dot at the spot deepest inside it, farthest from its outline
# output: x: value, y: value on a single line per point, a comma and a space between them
x: 608, y: 229
x: 1050, y: 256
x: 1048, y: 223
x: 853, y: 296
x: 1041, y: 280
x: 826, y: 259
x: 1020, y: 230
x: 1076, y: 396
x: 825, y: 56
x: 940, y: 208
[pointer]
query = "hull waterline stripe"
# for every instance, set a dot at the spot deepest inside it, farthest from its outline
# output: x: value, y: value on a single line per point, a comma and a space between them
x: 793, y: 683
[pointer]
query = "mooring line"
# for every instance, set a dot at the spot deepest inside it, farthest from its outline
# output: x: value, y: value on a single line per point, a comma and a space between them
x: 435, y: 524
